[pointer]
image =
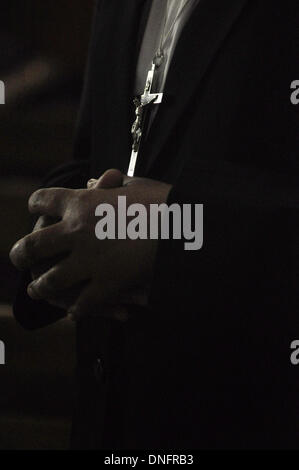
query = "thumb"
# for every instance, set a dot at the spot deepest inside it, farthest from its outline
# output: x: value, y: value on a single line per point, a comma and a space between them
x: 110, y: 179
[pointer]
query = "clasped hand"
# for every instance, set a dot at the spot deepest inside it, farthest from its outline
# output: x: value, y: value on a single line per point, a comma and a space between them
x: 70, y: 267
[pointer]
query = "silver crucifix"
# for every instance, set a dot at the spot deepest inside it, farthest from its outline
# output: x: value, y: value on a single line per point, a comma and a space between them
x: 141, y: 103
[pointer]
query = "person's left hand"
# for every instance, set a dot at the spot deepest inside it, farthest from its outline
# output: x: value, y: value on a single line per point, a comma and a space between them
x: 105, y: 268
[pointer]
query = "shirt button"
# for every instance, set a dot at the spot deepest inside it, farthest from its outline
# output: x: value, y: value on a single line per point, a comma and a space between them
x: 99, y: 372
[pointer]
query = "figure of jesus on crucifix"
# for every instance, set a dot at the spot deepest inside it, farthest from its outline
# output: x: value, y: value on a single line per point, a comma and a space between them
x: 141, y: 103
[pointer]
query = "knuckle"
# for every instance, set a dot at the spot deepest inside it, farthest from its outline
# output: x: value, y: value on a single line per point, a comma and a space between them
x: 56, y: 278
x: 14, y: 255
x: 76, y: 225
x: 35, y: 198
x: 21, y: 253
x: 47, y: 285
x: 29, y: 246
x: 42, y: 222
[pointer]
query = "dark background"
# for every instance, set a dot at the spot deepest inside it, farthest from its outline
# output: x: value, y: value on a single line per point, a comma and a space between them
x: 43, y: 46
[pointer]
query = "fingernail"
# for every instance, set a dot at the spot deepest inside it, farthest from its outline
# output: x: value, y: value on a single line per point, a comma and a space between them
x: 91, y: 183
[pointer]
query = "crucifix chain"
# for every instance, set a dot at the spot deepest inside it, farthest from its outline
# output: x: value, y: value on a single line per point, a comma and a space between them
x: 147, y: 99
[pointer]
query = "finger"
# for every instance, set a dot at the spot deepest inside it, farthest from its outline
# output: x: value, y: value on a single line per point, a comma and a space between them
x: 51, y: 202
x: 40, y: 245
x: 57, y: 282
x: 110, y: 179
x: 44, y: 221
x: 38, y: 269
